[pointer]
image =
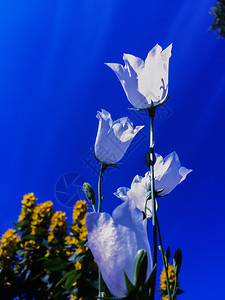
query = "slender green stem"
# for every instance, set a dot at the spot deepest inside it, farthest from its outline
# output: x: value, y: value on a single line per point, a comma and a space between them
x: 100, y: 188
x: 163, y: 258
x: 175, y: 286
x: 93, y: 206
x: 151, y: 112
x: 103, y: 168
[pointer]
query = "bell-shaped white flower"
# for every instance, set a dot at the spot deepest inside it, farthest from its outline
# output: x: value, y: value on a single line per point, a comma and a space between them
x: 168, y: 174
x: 113, y: 138
x: 114, y: 242
x: 145, y: 82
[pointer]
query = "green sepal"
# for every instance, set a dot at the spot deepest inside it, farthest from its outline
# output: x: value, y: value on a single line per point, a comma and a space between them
x: 129, y: 284
x: 147, y: 159
x: 140, y: 268
x: 177, y: 261
x: 179, y: 291
x: 167, y: 98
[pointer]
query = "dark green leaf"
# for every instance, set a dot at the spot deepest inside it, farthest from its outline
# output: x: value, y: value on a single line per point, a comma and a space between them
x: 150, y: 281
x: 177, y: 261
x: 129, y: 284
x: 55, y: 264
x: 18, y: 224
x: 167, y: 255
x: 29, y: 237
x: 73, y: 276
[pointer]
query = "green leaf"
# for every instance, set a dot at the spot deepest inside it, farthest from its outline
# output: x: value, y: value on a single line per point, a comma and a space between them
x: 150, y: 281
x: 140, y: 267
x: 29, y: 237
x: 73, y: 277
x: 129, y: 284
x: 66, y: 275
x: 18, y: 224
x: 177, y: 261
x: 55, y: 264
x: 167, y: 255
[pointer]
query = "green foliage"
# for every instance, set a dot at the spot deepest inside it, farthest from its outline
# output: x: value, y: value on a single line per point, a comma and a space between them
x: 218, y: 12
x: 41, y: 260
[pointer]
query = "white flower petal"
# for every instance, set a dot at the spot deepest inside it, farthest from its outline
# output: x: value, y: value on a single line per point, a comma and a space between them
x: 121, y: 193
x: 114, y: 242
x: 166, y: 54
x: 128, y: 79
x: 136, y: 179
x: 169, y: 174
x: 145, y: 82
x: 113, y: 138
x: 135, y: 62
x: 153, y: 80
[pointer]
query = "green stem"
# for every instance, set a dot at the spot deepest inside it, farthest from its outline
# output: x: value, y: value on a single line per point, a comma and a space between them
x: 175, y: 288
x: 100, y: 187
x: 93, y: 206
x: 163, y: 258
x: 151, y: 112
x: 103, y: 168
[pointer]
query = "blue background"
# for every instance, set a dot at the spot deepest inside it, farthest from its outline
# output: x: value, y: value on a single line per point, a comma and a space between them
x: 52, y: 82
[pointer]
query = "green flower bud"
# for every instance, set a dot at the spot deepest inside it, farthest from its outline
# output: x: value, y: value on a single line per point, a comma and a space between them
x: 89, y: 193
x: 140, y: 267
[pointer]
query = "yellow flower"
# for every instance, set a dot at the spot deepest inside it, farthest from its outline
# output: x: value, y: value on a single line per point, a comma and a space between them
x: 8, y: 243
x: 166, y: 297
x: 41, y: 217
x: 75, y: 298
x: 79, y: 210
x: 79, y: 224
x: 28, y: 202
x: 48, y: 252
x: 31, y: 245
x: 171, y: 277
x: 58, y: 227
x: 78, y: 265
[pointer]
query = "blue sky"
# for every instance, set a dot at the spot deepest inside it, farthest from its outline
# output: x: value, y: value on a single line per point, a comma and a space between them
x: 53, y: 81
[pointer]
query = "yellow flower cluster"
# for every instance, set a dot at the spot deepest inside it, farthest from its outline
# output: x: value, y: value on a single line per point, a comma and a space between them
x: 8, y: 243
x: 79, y: 225
x: 75, y: 298
x: 30, y: 245
x: 58, y: 227
x: 166, y: 297
x: 28, y: 205
x: 171, y: 277
x: 41, y: 217
x: 79, y: 210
